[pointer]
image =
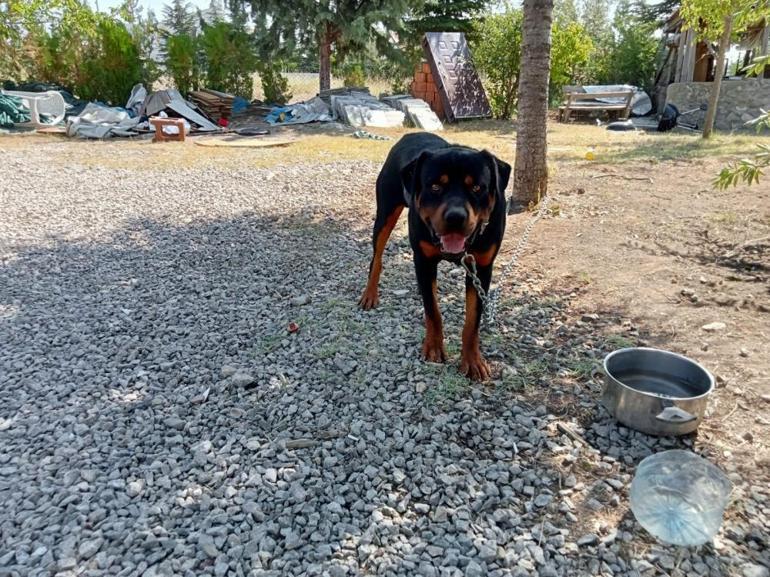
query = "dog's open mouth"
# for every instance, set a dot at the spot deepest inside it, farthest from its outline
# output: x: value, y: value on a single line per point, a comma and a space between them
x: 452, y: 243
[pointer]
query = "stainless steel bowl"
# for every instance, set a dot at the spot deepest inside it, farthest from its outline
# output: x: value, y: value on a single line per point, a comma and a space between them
x: 656, y: 392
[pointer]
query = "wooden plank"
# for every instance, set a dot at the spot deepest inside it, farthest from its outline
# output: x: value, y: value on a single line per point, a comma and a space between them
x: 575, y: 96
x: 627, y: 109
x: 679, y: 58
x: 689, y: 57
x: 243, y: 142
x: 567, y: 108
x: 599, y: 106
x: 588, y: 101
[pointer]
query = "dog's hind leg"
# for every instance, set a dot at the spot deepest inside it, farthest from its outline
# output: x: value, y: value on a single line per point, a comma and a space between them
x: 383, y: 225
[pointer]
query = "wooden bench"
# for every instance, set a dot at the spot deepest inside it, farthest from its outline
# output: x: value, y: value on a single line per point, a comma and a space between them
x: 584, y: 101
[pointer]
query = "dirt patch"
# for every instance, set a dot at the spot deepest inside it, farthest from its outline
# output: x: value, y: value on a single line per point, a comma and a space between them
x: 669, y: 261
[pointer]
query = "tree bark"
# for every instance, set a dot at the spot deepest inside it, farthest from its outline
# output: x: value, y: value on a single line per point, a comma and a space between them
x: 325, y: 57
x: 530, y: 179
x: 724, y: 46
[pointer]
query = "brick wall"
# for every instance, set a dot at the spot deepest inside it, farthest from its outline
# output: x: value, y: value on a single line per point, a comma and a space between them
x: 424, y: 87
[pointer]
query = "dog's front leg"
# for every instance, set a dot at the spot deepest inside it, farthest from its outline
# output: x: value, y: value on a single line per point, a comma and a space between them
x: 433, y: 346
x: 472, y: 363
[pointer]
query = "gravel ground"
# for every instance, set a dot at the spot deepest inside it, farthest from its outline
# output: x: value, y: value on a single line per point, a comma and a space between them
x: 158, y: 418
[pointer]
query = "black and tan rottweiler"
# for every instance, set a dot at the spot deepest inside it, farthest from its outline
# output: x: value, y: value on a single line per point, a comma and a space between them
x: 456, y: 197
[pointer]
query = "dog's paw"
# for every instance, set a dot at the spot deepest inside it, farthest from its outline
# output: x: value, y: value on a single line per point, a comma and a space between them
x: 433, y: 351
x: 475, y: 367
x: 369, y: 300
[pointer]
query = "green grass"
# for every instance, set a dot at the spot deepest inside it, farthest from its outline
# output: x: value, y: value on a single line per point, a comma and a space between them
x: 513, y: 384
x: 329, y: 349
x: 584, y: 277
x: 619, y: 342
x: 270, y: 343
x: 445, y: 384
x: 583, y: 369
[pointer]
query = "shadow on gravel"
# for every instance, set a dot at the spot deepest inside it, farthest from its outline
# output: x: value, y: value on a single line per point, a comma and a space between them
x: 131, y: 443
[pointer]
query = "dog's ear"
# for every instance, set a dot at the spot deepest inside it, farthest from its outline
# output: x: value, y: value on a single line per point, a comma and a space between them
x: 501, y: 172
x: 410, y: 177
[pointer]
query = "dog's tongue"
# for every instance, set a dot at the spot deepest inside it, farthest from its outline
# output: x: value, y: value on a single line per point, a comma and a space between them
x: 452, y: 243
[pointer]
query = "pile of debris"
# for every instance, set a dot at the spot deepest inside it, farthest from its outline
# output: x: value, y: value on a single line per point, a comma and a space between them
x: 357, y: 107
x: 362, y: 109
x: 314, y: 110
x: 214, y: 104
x: 417, y: 111
x: 101, y: 121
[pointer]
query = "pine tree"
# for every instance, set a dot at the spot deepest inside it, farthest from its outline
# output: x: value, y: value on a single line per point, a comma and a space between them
x: 447, y: 15
x: 179, y: 18
x: 347, y: 25
x: 565, y: 12
x: 214, y: 13
x: 596, y: 19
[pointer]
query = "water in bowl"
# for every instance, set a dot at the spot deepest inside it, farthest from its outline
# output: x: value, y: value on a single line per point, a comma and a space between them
x: 679, y: 497
x: 650, y: 381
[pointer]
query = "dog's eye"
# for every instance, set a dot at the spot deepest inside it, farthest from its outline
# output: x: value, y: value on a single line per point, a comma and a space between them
x: 436, y: 187
x: 476, y: 188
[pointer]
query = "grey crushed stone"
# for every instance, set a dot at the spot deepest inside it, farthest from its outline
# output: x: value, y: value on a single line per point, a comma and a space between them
x: 136, y: 306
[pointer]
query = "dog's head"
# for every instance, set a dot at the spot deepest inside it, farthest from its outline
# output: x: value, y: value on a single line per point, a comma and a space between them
x: 455, y: 190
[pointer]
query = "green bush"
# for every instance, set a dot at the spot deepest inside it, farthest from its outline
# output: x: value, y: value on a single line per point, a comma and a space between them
x: 181, y: 62
x: 111, y: 65
x: 21, y: 21
x: 92, y: 53
x: 354, y: 76
x: 633, y: 55
x: 275, y: 86
x: 571, y: 49
x: 497, y: 55
x: 230, y: 61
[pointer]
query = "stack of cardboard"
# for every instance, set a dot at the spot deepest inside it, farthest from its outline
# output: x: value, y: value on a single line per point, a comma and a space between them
x: 214, y: 104
x: 425, y: 88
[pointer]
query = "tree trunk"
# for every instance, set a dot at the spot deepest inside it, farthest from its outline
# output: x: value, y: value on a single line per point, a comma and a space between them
x: 325, y: 60
x: 724, y: 46
x: 530, y: 179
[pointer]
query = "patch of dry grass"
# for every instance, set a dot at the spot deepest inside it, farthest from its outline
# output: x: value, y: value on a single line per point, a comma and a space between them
x: 568, y: 143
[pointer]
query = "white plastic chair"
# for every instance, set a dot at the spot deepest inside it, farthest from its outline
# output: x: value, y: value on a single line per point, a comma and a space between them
x: 38, y: 103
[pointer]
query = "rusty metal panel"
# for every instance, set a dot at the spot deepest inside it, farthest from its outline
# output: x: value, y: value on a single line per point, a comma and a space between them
x: 455, y: 75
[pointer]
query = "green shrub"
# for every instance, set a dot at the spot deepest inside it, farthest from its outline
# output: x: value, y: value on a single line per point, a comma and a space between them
x: 229, y: 58
x: 497, y: 54
x: 275, y: 86
x: 571, y: 49
x: 634, y: 53
x: 353, y: 75
x: 181, y: 61
x: 92, y: 53
x: 111, y: 65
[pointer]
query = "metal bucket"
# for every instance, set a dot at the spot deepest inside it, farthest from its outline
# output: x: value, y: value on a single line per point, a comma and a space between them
x: 656, y: 392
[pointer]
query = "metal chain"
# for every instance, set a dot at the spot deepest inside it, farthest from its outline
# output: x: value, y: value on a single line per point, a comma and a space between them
x: 490, y: 301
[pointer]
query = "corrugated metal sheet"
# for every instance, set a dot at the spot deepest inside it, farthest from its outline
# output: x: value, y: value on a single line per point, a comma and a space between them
x: 455, y: 75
